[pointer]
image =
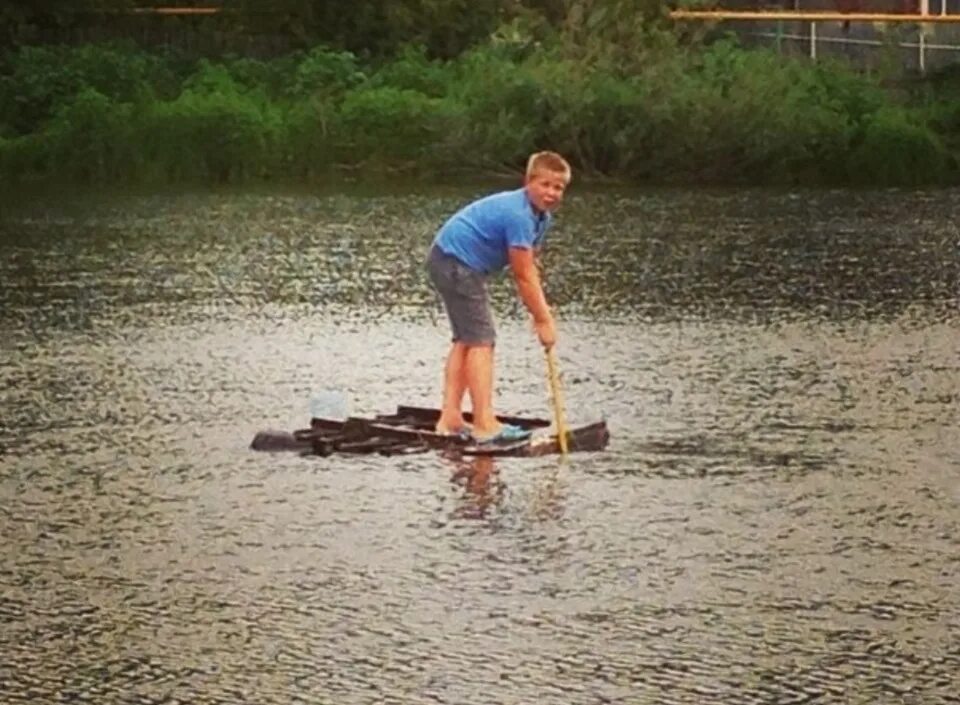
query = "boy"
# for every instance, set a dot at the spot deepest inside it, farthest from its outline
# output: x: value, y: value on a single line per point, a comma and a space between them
x: 477, y: 241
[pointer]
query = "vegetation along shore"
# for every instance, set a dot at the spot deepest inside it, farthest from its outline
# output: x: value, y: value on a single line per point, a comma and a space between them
x: 624, y: 92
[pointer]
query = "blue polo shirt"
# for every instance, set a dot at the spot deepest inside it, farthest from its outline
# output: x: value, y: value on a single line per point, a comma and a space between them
x: 481, y: 233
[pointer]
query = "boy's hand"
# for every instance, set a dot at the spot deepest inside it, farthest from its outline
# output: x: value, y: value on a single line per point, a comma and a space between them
x: 546, y: 332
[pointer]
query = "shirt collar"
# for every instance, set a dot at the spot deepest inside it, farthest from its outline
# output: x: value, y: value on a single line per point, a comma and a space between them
x: 541, y: 217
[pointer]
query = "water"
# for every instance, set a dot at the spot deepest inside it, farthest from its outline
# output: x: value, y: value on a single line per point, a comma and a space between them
x: 775, y: 521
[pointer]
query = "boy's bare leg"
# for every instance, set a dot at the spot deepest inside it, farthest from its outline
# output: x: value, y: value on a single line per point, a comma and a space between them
x: 479, y: 376
x: 454, y: 387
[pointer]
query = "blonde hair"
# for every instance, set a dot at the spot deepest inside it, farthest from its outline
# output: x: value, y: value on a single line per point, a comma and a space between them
x: 548, y: 161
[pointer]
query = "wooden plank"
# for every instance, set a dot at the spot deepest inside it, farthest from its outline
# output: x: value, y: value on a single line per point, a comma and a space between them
x: 415, y: 436
x: 326, y: 424
x: 279, y: 440
x: 378, y: 444
x: 407, y: 420
x: 593, y: 437
x: 432, y: 415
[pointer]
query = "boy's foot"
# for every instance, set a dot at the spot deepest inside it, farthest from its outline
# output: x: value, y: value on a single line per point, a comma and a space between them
x: 507, y: 433
x: 462, y: 432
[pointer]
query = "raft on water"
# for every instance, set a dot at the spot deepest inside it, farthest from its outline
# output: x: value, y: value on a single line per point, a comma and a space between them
x: 410, y: 430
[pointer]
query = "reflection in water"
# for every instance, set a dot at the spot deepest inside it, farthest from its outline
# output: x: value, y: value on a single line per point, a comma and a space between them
x: 484, y: 488
x: 482, y: 485
x: 774, y: 521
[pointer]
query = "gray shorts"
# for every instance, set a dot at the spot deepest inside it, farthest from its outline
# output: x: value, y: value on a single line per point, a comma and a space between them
x: 464, y: 295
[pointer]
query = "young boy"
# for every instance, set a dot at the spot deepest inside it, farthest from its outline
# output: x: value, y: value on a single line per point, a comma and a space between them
x: 478, y: 241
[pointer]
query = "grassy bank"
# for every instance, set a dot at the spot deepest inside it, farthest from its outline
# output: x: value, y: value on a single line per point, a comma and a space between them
x: 665, y: 112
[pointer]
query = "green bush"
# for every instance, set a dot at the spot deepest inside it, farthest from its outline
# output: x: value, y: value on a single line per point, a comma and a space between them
x: 307, y: 144
x: 937, y: 101
x: 754, y: 116
x: 387, y: 125
x: 23, y: 158
x: 89, y: 138
x: 322, y: 72
x: 501, y: 116
x: 221, y: 136
x: 596, y: 117
x: 273, y: 78
x: 40, y: 80
x: 411, y: 69
x: 896, y: 150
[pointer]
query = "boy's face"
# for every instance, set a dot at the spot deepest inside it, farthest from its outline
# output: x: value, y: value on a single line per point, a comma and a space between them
x: 545, y: 189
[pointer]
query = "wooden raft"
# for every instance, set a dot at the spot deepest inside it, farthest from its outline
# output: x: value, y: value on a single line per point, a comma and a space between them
x: 410, y: 430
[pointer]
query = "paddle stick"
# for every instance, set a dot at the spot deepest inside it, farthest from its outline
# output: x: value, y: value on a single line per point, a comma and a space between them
x: 557, y: 395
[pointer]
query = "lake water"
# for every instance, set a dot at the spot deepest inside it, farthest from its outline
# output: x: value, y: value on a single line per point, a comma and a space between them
x: 776, y: 520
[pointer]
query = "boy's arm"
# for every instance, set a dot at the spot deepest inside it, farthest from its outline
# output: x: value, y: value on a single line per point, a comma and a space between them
x: 531, y: 293
x: 525, y: 272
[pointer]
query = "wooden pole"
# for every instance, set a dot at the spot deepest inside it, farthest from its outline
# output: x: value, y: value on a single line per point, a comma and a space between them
x: 557, y: 394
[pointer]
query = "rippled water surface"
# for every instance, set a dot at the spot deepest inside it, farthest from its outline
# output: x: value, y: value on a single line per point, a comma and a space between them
x: 776, y: 519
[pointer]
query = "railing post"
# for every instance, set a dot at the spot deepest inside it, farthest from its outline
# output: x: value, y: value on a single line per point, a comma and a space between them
x: 813, y: 40
x: 921, y: 51
x: 922, y: 43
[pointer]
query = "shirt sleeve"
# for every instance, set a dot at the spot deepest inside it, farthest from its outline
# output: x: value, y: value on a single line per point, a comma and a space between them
x: 520, y: 232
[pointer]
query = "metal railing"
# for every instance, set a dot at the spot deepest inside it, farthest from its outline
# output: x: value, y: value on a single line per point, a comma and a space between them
x: 924, y: 19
